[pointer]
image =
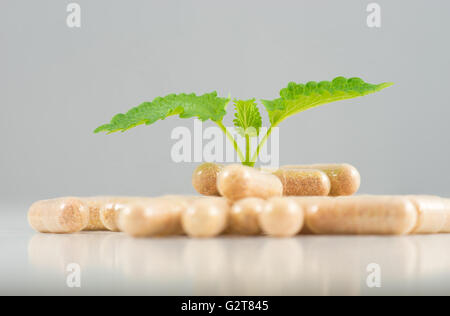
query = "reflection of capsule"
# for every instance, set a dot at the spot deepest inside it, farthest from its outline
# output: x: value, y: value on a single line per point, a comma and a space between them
x: 390, y: 215
x: 236, y: 182
x: 344, y: 178
x: 64, y: 215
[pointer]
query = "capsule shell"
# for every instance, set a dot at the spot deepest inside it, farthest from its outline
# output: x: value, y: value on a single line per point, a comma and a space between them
x: 152, y: 217
x: 244, y: 216
x: 446, y: 227
x: 63, y: 215
x: 95, y: 204
x: 281, y: 217
x: 344, y: 178
x: 204, y: 178
x: 109, y: 211
x: 206, y: 217
x: 364, y: 215
x: 432, y: 215
x: 303, y: 182
x: 236, y: 182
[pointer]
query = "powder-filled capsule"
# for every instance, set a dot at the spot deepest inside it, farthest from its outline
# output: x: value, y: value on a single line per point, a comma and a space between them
x: 446, y: 227
x: 344, y: 178
x: 152, y: 217
x: 303, y: 182
x: 431, y: 212
x: 63, y: 215
x: 204, y: 178
x: 109, y: 212
x: 281, y: 217
x: 95, y: 204
x: 244, y: 216
x: 206, y: 217
x: 365, y: 215
x: 236, y: 182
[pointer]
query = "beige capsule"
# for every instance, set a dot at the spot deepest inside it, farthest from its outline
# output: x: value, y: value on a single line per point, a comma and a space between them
x: 152, y: 217
x: 281, y: 217
x: 63, y: 215
x: 236, y: 182
x: 95, y: 204
x: 364, y: 215
x: 204, y: 178
x: 206, y: 217
x: 446, y: 227
x: 244, y: 216
x: 344, y: 178
x: 431, y: 212
x: 303, y: 182
x: 109, y: 211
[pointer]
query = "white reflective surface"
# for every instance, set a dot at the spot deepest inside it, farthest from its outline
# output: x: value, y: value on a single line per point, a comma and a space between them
x: 112, y: 263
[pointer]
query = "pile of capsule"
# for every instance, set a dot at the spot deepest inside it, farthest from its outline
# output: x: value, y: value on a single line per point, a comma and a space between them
x: 240, y: 200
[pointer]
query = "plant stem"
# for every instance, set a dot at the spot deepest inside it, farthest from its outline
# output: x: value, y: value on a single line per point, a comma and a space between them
x: 247, y: 151
x: 232, y: 140
x: 260, y: 145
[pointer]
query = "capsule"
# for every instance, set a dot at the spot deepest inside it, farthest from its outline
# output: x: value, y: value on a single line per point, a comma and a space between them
x: 363, y: 215
x: 303, y: 182
x: 204, y: 178
x: 344, y: 178
x: 236, y: 182
x: 431, y: 212
x: 281, y: 217
x: 206, y: 217
x: 152, y: 217
x: 62, y: 216
x: 95, y: 204
x: 244, y: 216
x: 109, y: 211
x: 446, y: 227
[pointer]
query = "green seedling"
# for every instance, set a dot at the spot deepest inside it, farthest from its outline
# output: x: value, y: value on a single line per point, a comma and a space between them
x: 293, y: 99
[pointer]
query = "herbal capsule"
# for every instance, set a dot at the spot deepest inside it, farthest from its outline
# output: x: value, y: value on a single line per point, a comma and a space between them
x: 281, y: 217
x: 244, y: 216
x: 109, y: 212
x: 204, y: 178
x: 95, y: 204
x: 375, y: 215
x: 152, y: 217
x: 446, y: 227
x: 432, y: 215
x: 303, y: 182
x: 344, y: 178
x: 64, y: 215
x: 236, y: 182
x: 206, y: 217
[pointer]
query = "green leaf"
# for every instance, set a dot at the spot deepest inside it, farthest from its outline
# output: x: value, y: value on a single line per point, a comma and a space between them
x: 247, y: 118
x: 297, y: 98
x: 205, y: 107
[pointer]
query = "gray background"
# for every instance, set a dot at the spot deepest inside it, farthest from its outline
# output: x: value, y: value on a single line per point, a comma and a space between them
x: 57, y: 84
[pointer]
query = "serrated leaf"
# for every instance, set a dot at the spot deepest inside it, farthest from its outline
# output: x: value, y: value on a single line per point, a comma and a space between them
x: 205, y: 107
x: 247, y: 120
x: 296, y: 98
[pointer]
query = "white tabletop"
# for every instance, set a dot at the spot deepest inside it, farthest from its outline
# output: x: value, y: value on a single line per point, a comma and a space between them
x: 113, y: 263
